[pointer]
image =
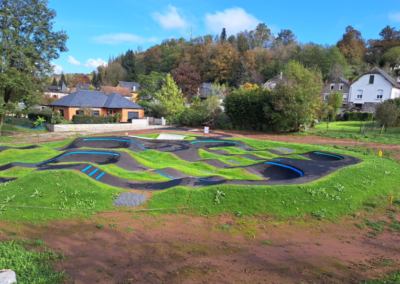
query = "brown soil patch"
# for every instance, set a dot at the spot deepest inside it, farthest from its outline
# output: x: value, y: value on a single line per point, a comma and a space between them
x: 140, y: 248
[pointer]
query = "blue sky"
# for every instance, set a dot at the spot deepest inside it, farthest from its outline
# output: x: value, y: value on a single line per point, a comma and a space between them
x: 98, y: 29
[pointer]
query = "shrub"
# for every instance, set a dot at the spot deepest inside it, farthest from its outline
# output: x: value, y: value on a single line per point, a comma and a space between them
x: 223, y: 121
x: 92, y: 119
x: 357, y: 116
x: 20, y: 121
x: 191, y: 117
x: 45, y: 113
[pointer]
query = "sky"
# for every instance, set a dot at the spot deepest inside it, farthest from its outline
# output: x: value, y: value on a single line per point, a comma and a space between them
x: 102, y: 28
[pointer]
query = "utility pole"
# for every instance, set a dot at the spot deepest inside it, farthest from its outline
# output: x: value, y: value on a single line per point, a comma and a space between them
x: 191, y: 34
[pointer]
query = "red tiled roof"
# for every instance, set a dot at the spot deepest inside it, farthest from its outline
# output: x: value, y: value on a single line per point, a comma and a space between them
x: 107, y: 90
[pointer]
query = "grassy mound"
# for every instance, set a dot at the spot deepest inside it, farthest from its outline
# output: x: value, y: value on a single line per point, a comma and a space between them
x: 67, y: 192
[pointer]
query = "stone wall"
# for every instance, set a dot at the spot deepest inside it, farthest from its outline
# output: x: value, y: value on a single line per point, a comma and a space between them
x: 366, y: 107
x: 136, y: 124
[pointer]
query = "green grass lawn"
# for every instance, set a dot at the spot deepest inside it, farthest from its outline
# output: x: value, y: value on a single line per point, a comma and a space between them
x: 351, y: 130
x: 234, y: 150
x: 16, y: 172
x: 29, y: 265
x: 64, y: 190
x: 27, y: 156
x: 8, y: 130
x: 391, y: 278
x: 227, y: 159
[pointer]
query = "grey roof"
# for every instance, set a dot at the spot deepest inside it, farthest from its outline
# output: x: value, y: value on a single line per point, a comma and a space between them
x: 205, y: 89
x: 82, y: 87
x: 129, y: 85
x: 384, y: 75
x: 344, y: 80
x: 95, y: 99
x: 271, y: 83
x: 339, y: 80
x: 52, y: 89
x: 63, y: 87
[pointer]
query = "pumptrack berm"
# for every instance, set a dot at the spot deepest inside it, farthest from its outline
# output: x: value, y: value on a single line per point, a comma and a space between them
x: 101, y: 150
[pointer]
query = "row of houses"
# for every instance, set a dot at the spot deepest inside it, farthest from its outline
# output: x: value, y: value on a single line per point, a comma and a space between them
x: 362, y: 95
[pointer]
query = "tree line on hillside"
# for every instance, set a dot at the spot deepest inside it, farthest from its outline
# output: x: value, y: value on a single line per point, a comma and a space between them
x: 256, y: 55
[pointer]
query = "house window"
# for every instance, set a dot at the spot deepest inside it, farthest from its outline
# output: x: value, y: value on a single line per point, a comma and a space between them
x: 79, y: 112
x: 359, y: 94
x: 358, y: 106
x: 332, y: 85
x: 134, y: 88
x: 326, y: 97
x: 344, y: 97
x: 341, y: 87
x: 96, y: 112
x: 371, y: 79
x: 379, y: 95
x: 396, y: 95
x: 54, y: 96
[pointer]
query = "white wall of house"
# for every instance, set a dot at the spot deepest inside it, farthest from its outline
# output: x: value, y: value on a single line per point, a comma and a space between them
x: 369, y: 91
x: 56, y: 95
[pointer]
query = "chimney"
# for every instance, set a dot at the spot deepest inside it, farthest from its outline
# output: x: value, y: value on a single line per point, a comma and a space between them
x: 326, y: 82
x: 351, y: 81
x: 281, y: 75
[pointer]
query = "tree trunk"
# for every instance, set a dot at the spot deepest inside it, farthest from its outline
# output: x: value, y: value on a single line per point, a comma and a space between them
x: 1, y: 123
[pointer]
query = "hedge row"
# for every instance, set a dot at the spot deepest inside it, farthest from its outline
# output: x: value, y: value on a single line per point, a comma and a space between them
x: 45, y: 114
x: 20, y: 121
x: 92, y: 119
x: 358, y: 116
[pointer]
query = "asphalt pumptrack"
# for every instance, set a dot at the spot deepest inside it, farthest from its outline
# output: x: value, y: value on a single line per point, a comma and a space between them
x: 279, y: 171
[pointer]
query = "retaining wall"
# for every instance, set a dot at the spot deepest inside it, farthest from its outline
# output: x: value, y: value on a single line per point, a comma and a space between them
x: 136, y: 124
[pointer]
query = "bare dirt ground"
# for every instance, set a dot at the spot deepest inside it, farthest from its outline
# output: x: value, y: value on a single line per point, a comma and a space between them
x: 141, y: 248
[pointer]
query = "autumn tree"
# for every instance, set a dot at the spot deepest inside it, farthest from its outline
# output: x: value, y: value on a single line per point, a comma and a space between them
x: 241, y: 76
x: 187, y: 78
x: 81, y: 79
x: 352, y: 45
x: 150, y: 85
x: 114, y: 73
x: 390, y: 37
x: 222, y: 62
x: 242, y: 42
x: 28, y: 44
x: 152, y: 58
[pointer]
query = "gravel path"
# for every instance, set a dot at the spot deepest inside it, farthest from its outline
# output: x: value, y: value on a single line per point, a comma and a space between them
x: 130, y: 199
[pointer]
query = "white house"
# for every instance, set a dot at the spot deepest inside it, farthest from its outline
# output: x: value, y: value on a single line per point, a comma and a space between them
x: 371, y: 89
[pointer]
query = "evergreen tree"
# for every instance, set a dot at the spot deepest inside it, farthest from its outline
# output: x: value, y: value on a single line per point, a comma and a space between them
x: 94, y: 79
x: 241, y: 75
x: 223, y: 35
x: 54, y: 83
x: 170, y: 96
x: 63, y: 79
x: 99, y: 80
x: 129, y: 64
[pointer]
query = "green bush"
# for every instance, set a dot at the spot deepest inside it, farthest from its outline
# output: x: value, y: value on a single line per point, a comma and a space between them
x: 223, y: 121
x: 45, y: 113
x: 357, y: 116
x: 92, y: 119
x: 191, y: 117
x: 20, y: 121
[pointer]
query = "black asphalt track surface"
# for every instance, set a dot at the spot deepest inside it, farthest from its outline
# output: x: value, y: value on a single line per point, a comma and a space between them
x: 273, y: 171
x: 4, y: 180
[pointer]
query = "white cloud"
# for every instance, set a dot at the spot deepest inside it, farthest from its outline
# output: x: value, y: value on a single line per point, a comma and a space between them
x: 122, y: 38
x: 171, y: 19
x: 92, y: 63
x: 233, y: 20
x: 394, y: 17
x: 57, y: 69
x: 73, y: 61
